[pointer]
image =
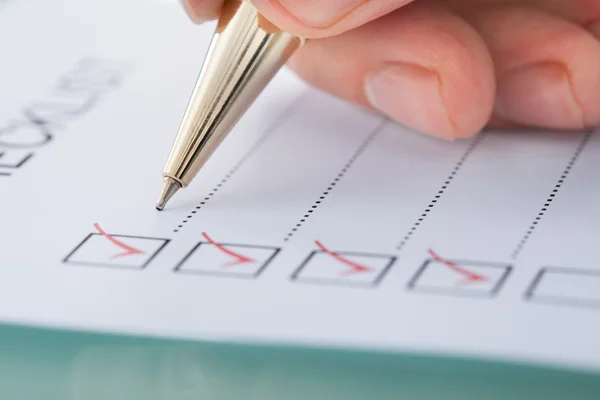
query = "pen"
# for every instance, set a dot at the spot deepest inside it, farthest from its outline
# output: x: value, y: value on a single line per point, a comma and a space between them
x: 245, y: 53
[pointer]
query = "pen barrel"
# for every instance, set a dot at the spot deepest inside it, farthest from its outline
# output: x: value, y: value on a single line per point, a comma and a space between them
x: 245, y: 54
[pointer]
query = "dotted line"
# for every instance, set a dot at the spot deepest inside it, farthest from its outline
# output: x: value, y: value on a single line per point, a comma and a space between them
x: 552, y: 196
x: 336, y: 180
x: 440, y: 192
x: 265, y: 136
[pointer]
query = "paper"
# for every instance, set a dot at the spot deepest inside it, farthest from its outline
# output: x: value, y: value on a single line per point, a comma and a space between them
x: 315, y: 223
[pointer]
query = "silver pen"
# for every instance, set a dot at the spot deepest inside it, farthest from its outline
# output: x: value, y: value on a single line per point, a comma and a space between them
x: 245, y: 54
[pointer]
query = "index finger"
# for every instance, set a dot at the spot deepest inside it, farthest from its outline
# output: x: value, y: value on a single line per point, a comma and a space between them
x: 202, y: 10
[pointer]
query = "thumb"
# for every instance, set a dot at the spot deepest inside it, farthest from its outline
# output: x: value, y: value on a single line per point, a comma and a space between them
x: 307, y: 18
x: 325, y: 18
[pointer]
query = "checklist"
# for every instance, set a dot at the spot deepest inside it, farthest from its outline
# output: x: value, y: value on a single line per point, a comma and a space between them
x: 103, y: 249
x: 328, y: 267
x: 227, y: 260
x: 566, y: 287
x: 13, y: 160
x: 315, y: 222
x: 461, y: 278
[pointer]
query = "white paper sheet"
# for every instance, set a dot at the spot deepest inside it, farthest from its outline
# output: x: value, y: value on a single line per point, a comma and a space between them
x: 316, y: 222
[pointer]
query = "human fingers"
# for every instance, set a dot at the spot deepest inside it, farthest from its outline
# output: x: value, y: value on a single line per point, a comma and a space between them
x: 202, y: 10
x: 318, y: 18
x: 421, y: 66
x: 546, y: 66
x: 583, y: 12
x: 306, y: 18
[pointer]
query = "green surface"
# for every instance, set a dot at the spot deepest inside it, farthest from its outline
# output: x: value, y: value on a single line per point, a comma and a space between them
x: 51, y: 365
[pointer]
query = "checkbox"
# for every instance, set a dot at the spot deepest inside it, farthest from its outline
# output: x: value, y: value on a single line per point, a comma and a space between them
x: 566, y: 286
x: 116, y: 251
x: 326, y: 267
x: 227, y: 260
x: 460, y: 277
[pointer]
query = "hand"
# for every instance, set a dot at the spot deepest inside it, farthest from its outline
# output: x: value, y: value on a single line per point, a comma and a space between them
x: 449, y: 68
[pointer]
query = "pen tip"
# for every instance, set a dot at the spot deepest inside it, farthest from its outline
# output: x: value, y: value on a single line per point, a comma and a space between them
x: 170, y: 187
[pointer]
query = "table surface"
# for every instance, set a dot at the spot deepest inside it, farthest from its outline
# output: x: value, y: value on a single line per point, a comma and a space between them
x: 46, y: 364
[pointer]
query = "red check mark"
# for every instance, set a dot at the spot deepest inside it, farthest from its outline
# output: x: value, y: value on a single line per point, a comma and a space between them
x: 238, y: 258
x: 129, y: 251
x: 354, y: 267
x: 470, y: 277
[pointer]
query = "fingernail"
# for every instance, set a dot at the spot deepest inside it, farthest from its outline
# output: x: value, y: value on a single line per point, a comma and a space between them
x: 191, y: 12
x: 539, y: 95
x: 410, y: 95
x: 317, y: 13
